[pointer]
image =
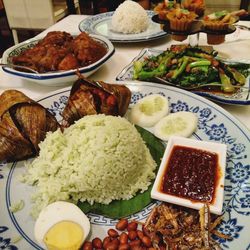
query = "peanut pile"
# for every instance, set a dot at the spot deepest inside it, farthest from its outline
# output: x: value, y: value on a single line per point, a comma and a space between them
x: 127, y: 236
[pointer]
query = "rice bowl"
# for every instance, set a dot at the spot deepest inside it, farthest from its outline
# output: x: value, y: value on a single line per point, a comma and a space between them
x: 98, y: 159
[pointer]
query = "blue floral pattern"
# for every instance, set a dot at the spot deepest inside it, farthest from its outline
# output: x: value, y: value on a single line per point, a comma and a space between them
x: 237, y: 186
x: 1, y: 166
x: 229, y: 228
x: 5, y: 243
x: 179, y: 106
x: 57, y: 107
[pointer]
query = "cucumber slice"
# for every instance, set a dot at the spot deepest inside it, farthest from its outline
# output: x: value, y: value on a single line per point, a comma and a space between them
x: 180, y: 124
x: 149, y: 110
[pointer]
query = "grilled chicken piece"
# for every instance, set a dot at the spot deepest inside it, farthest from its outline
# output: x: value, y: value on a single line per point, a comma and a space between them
x: 90, y: 97
x: 23, y: 124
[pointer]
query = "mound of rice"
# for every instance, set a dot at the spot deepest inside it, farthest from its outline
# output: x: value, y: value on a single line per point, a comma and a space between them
x: 98, y: 159
x: 130, y: 17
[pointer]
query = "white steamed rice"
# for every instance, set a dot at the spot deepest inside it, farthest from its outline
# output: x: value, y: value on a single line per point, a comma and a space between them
x: 130, y: 17
x: 98, y: 159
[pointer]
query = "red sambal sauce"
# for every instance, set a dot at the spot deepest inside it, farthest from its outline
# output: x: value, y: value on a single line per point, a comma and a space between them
x: 191, y: 173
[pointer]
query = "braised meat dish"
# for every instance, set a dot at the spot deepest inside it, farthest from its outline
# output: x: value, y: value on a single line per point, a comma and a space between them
x: 60, y: 51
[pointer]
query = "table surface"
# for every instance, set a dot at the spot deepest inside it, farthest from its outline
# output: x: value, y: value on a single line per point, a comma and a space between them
x: 237, y: 46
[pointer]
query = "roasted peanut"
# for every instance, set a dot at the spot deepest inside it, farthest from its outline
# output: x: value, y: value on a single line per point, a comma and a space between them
x: 124, y: 246
x: 145, y: 231
x: 97, y: 243
x: 122, y: 224
x: 105, y: 242
x: 132, y: 235
x: 132, y: 226
x: 137, y: 247
x: 112, y: 245
x: 146, y: 241
x: 115, y: 241
x: 140, y: 234
x: 123, y: 238
x: 134, y: 243
x: 113, y: 233
x: 87, y: 245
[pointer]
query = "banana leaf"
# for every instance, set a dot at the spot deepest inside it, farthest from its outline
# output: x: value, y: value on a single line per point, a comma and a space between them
x: 23, y: 124
x: 84, y: 100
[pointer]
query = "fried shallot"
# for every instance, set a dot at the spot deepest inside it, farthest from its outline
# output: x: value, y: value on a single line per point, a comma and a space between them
x: 174, y: 227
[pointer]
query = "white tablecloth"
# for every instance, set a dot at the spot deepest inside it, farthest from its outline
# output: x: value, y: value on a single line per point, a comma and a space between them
x: 237, y: 46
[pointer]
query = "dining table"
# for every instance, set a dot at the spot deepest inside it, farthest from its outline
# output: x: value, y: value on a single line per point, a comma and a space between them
x: 236, y: 47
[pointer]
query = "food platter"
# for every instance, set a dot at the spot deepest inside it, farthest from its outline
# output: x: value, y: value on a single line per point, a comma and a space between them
x: 215, y: 124
x: 100, y: 25
x: 241, y: 97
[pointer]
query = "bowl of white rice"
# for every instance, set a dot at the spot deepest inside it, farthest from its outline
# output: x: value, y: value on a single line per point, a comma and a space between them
x: 98, y: 159
x: 129, y: 18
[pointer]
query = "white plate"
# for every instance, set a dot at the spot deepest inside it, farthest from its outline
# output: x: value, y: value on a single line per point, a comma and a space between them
x: 100, y: 25
x: 215, y: 124
x: 57, y: 78
x: 241, y: 97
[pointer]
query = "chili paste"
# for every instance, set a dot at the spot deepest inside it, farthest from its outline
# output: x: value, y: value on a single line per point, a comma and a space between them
x: 191, y: 173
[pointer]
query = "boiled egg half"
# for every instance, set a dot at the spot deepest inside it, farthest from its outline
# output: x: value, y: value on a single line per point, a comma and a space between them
x: 60, y: 226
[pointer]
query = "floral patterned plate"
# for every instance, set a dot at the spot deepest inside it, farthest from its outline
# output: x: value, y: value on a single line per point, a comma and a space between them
x: 215, y: 124
x: 241, y: 97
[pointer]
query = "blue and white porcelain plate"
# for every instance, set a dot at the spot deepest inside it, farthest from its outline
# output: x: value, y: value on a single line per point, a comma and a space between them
x: 215, y: 124
x: 241, y: 97
x: 101, y: 25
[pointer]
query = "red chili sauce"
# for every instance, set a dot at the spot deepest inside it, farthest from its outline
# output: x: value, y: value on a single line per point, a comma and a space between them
x: 191, y: 173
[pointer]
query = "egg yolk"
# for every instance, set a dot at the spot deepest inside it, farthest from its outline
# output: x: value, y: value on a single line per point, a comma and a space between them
x: 65, y: 235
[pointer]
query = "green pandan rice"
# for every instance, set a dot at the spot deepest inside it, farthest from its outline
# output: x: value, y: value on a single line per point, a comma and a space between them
x: 98, y: 159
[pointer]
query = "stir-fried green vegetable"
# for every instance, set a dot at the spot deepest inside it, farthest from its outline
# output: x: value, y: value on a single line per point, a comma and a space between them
x: 190, y: 66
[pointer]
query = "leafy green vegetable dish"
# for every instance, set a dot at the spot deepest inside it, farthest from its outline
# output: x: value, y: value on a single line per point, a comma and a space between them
x: 186, y: 66
x: 122, y: 208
